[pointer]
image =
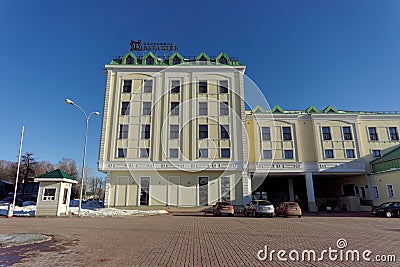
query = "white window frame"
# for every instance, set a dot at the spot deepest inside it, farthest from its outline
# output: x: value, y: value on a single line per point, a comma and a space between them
x: 375, y: 192
x: 354, y: 153
x: 390, y: 194
x: 265, y: 152
x: 44, y: 198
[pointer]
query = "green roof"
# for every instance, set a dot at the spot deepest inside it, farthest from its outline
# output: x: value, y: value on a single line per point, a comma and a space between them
x: 201, y: 58
x: 56, y: 174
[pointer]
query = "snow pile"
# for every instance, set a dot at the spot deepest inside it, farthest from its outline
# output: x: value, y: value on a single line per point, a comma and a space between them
x: 114, y: 212
x: 92, y: 209
x: 19, y: 211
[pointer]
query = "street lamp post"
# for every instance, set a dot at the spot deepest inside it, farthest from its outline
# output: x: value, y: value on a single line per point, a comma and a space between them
x: 87, y: 117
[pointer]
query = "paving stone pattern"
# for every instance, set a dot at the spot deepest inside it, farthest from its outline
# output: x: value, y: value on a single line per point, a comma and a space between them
x: 192, y: 239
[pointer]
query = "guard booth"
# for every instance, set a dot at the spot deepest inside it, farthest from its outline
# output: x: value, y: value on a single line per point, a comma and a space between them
x: 54, y: 193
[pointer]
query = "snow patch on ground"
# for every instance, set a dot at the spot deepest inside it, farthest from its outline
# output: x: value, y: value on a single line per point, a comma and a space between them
x: 87, y: 210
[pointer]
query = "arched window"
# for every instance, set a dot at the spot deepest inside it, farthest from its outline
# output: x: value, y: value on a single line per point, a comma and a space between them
x: 176, y: 60
x: 149, y: 60
x: 223, y: 60
x: 129, y: 60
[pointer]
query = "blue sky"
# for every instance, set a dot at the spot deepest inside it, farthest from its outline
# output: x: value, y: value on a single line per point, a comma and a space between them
x: 300, y: 53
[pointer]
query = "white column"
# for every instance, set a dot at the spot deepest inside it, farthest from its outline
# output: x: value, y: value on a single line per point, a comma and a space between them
x: 107, y: 192
x: 291, y: 192
x: 310, y: 192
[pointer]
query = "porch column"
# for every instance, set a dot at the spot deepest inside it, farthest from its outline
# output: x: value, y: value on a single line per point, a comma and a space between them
x: 310, y: 192
x: 291, y: 192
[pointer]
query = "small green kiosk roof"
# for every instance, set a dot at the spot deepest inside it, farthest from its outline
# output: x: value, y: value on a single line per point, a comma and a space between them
x: 56, y: 175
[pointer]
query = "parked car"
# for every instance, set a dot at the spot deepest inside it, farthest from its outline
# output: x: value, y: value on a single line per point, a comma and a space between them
x: 259, y: 208
x: 289, y: 209
x: 9, y: 200
x: 387, y: 209
x: 223, y: 207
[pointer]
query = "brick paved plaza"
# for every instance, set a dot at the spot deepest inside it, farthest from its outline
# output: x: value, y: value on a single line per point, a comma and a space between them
x: 195, y: 239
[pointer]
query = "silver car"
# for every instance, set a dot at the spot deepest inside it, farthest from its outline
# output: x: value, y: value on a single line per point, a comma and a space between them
x: 259, y: 208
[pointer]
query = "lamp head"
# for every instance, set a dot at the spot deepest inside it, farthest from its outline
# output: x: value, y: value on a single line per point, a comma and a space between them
x: 96, y: 113
x: 69, y: 101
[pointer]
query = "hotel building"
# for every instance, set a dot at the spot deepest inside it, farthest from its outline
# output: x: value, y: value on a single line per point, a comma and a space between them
x: 175, y: 132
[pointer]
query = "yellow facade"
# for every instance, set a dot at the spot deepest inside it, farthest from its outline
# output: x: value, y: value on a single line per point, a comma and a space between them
x: 179, y: 135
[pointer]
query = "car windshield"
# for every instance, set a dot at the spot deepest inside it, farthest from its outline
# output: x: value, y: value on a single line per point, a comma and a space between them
x: 264, y: 203
x: 385, y: 205
x: 224, y: 203
x: 292, y: 205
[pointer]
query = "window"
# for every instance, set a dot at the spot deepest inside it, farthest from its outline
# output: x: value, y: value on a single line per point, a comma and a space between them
x: 287, y: 133
x: 376, y: 153
x: 146, y: 110
x: 144, y: 152
x: 175, y: 87
x: 373, y: 135
x: 125, y: 108
x: 148, y: 86
x: 174, y: 131
x: 288, y: 154
x: 223, y: 87
x: 123, y: 131
x: 149, y: 61
x: 347, y: 133
x: 129, y: 60
x: 203, y: 58
x: 203, y: 153
x: 225, y: 189
x: 122, y: 152
x: 225, y: 153
x: 203, y: 108
x: 65, y: 196
x: 203, y: 131
x: 390, y: 190
x: 145, y: 134
x: 175, y: 108
x: 361, y: 191
x: 326, y: 133
x: 144, y: 191
x: 176, y: 60
x: 223, y: 60
x: 266, y: 133
x: 127, y: 88
x: 173, y: 153
x: 329, y: 154
x: 224, y: 108
x: 202, y: 87
x: 267, y: 154
x: 350, y: 154
x: 375, y: 191
x: 49, y: 194
x: 224, y: 131
x: 394, y: 136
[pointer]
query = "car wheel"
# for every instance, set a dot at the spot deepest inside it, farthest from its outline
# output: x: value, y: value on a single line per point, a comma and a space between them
x: 299, y: 216
x: 388, y: 214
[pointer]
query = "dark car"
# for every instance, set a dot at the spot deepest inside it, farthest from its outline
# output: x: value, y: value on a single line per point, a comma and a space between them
x: 387, y: 209
x: 259, y: 208
x: 223, y: 207
x: 9, y: 200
